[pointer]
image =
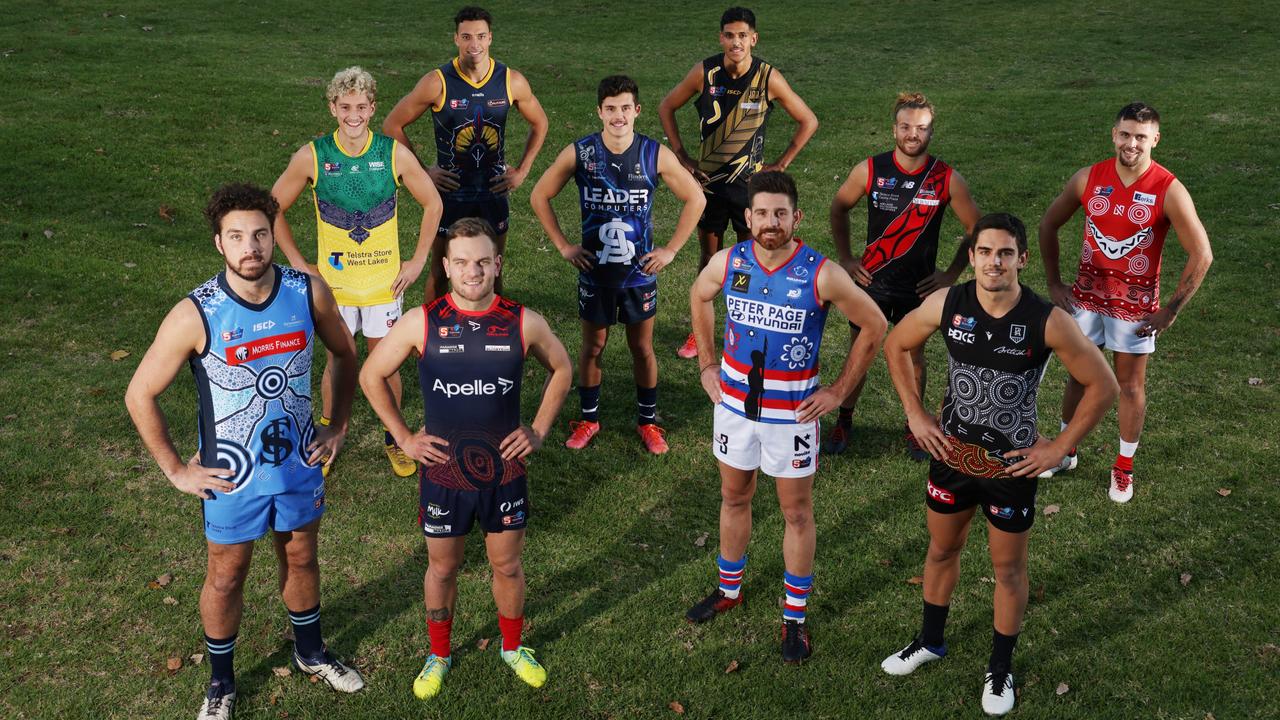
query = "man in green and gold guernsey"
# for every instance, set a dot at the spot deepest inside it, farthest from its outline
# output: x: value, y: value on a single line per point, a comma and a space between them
x: 735, y: 92
x: 356, y: 174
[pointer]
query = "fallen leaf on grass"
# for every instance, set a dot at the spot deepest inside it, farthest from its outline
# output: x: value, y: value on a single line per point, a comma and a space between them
x: 986, y: 579
x: 885, y: 562
x: 676, y: 707
x: 131, y: 264
x: 1209, y: 716
x: 166, y: 213
x: 1269, y: 650
x: 1062, y: 689
x: 147, y: 28
x: 1255, y: 382
x: 276, y: 696
x: 733, y: 667
x: 482, y: 644
x: 48, y: 234
x: 1185, y: 579
x: 282, y: 671
x: 173, y: 664
x: 170, y: 600
x: 915, y: 580
x: 314, y: 679
x: 1051, y: 509
x: 119, y: 355
x: 1224, y: 491
x: 164, y: 580
x: 1040, y: 593
x: 701, y: 541
x: 197, y: 658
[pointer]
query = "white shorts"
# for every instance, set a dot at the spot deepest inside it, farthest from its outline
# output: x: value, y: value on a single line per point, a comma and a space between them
x: 1116, y: 334
x: 782, y: 450
x: 374, y: 321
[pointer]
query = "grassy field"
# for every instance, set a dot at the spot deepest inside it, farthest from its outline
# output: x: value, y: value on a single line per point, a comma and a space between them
x: 123, y: 117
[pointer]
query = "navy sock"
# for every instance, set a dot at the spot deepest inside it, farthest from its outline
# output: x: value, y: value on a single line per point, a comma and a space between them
x: 590, y: 398
x: 306, y: 632
x: 845, y: 417
x: 1001, y: 652
x: 935, y: 618
x: 386, y: 438
x: 646, y: 405
x: 221, y: 659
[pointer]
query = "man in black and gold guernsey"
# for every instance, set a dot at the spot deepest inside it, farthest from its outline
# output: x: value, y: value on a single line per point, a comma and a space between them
x: 735, y: 92
x: 473, y: 344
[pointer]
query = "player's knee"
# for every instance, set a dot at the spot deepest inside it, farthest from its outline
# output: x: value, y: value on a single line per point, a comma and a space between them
x: 1133, y: 391
x: 1011, y: 575
x: 226, y: 584
x: 944, y: 552
x: 442, y: 570
x: 798, y: 517
x: 734, y: 499
x: 507, y: 568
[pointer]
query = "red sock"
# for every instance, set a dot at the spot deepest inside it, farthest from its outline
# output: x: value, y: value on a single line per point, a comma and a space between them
x: 439, y: 630
x: 511, y: 629
x: 1124, y: 463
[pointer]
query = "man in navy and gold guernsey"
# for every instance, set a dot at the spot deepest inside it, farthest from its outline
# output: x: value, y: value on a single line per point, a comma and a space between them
x: 355, y: 175
x: 470, y: 98
x: 616, y: 171
x: 248, y: 335
x: 777, y: 291
x: 473, y: 344
x: 735, y: 92
x: 908, y: 192
x: 986, y: 448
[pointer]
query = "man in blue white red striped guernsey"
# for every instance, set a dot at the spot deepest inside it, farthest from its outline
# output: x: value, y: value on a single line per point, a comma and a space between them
x: 765, y: 387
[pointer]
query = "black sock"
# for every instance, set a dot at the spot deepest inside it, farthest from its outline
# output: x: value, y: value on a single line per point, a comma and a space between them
x: 646, y: 405
x: 590, y: 398
x: 1001, y: 652
x: 845, y: 417
x: 306, y: 632
x: 221, y: 659
x: 386, y: 438
x: 935, y: 619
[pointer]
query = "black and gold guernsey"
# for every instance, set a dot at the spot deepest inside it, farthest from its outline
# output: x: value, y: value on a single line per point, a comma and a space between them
x: 733, y: 113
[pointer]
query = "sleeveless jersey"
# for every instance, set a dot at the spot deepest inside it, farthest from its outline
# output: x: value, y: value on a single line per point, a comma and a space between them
x: 616, y: 196
x: 994, y: 367
x: 357, y: 234
x: 1124, y: 231
x: 772, y: 333
x: 470, y: 124
x: 253, y: 381
x: 470, y: 372
x: 903, y: 220
x: 732, y: 113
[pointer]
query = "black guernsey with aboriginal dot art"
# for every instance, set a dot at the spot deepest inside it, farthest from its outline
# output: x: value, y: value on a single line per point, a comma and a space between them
x: 993, y: 375
x: 904, y: 217
x: 470, y: 374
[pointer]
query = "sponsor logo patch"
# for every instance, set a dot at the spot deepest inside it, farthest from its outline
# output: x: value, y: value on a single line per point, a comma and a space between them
x: 942, y: 496
x: 274, y: 345
x: 1001, y: 512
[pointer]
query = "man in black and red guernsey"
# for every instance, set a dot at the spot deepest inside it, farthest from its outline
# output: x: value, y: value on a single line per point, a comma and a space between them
x: 473, y: 345
x: 908, y: 191
x: 986, y: 450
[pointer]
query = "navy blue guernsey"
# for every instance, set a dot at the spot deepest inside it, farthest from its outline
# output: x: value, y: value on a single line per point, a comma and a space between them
x: 470, y: 373
x: 470, y: 125
x: 616, y: 194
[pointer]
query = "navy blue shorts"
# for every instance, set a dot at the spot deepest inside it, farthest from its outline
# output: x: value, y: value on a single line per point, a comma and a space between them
x: 496, y: 210
x: 446, y: 512
x: 607, y: 306
x: 893, y: 308
x: 1008, y: 502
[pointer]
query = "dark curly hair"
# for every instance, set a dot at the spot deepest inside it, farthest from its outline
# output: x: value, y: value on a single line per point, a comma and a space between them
x: 239, y: 196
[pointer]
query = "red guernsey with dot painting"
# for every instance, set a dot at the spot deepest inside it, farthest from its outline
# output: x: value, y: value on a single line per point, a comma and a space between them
x: 1124, y: 230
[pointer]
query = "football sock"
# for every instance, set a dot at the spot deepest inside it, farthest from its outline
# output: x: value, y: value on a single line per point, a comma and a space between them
x: 1001, y: 651
x: 221, y: 656
x: 439, y: 631
x: 646, y: 405
x: 935, y: 619
x: 797, y: 595
x: 845, y: 417
x: 511, y: 629
x: 731, y: 575
x: 325, y: 421
x: 386, y: 437
x: 306, y: 632
x: 590, y: 398
x: 1124, y: 460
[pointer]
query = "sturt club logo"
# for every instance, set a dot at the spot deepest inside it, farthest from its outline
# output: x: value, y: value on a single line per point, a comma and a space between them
x: 276, y: 445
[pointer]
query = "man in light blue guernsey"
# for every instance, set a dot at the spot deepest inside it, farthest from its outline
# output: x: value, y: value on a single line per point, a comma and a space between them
x: 765, y: 387
x: 248, y: 335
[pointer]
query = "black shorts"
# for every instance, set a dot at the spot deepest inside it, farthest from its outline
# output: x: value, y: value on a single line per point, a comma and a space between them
x: 725, y: 206
x: 1008, y: 502
x: 446, y: 512
x: 894, y: 308
x: 607, y: 306
x: 496, y: 210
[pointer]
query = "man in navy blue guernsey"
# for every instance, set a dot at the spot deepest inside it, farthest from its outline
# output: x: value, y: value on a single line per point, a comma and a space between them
x: 248, y: 335
x: 777, y: 291
x: 986, y: 450
x: 616, y: 171
x: 473, y: 345
x: 470, y: 98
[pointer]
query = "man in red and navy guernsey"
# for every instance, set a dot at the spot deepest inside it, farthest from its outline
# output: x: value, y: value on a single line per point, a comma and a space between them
x: 908, y: 192
x: 473, y: 344
x: 1130, y: 202
x: 765, y: 387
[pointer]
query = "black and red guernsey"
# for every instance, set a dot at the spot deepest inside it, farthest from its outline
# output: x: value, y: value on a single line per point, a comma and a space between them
x: 470, y: 373
x: 904, y: 217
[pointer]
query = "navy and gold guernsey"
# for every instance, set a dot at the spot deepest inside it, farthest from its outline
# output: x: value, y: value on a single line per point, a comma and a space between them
x: 994, y: 371
x: 616, y: 195
x: 903, y: 221
x: 470, y: 372
x: 733, y: 113
x: 470, y: 127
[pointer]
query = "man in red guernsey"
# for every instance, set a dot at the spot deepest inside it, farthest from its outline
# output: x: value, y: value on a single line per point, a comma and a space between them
x: 473, y: 344
x: 1129, y: 204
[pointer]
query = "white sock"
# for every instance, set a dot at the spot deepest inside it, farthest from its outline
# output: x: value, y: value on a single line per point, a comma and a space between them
x: 1127, y: 449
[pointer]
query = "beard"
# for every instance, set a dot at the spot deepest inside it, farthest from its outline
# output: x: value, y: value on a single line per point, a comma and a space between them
x: 773, y: 239
x: 251, y: 269
x: 921, y: 150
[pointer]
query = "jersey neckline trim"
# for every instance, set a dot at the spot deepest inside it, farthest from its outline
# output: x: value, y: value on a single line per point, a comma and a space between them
x: 766, y: 270
x: 255, y: 307
x: 457, y: 67
x: 473, y: 313
x: 367, y: 144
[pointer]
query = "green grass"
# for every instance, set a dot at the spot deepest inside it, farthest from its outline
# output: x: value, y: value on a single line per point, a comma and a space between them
x: 105, y: 121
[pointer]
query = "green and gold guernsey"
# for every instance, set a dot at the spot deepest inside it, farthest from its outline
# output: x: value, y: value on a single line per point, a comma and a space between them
x: 359, y: 246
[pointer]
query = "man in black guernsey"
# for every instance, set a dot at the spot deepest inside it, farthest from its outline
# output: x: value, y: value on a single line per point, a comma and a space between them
x: 986, y: 449
x: 735, y: 92
x: 470, y: 98
x: 908, y: 192
x: 473, y: 345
